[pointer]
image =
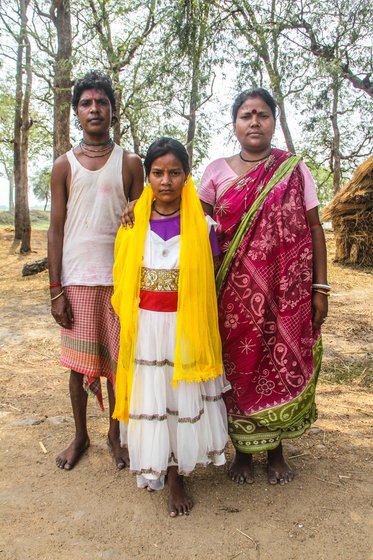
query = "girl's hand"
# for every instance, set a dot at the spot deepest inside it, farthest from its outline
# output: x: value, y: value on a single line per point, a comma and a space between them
x: 319, y: 309
x: 128, y: 216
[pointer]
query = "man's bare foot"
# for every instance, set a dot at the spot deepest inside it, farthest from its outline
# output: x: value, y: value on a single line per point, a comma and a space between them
x: 71, y: 455
x: 120, y: 454
x: 279, y: 472
x: 179, y: 503
x: 241, y: 469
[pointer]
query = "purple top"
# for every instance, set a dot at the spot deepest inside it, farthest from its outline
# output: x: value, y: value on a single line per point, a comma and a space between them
x: 170, y: 227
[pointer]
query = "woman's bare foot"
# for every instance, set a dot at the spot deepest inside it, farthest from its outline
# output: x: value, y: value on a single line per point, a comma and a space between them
x: 71, y: 455
x: 279, y: 472
x: 120, y: 454
x: 179, y: 503
x: 241, y: 469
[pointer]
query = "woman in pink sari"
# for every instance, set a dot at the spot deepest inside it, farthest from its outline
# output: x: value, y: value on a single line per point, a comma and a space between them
x: 272, y: 286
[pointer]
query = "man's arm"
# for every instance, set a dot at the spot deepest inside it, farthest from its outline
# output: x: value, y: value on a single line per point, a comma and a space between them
x: 133, y: 176
x: 60, y: 307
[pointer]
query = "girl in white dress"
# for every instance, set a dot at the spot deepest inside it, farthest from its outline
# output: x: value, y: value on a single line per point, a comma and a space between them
x: 170, y: 375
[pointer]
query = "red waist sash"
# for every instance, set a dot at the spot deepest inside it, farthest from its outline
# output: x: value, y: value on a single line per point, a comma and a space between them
x: 158, y: 301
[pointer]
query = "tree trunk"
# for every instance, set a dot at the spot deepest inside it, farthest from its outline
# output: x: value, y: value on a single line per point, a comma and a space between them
x: 21, y: 135
x: 26, y: 125
x: 198, y: 52
x: 135, y: 137
x: 10, y: 176
x: 117, y: 133
x: 284, y: 125
x: 275, y: 81
x: 277, y: 90
x: 193, y: 105
x: 46, y: 202
x: 336, y: 153
x: 17, y: 136
x: 62, y: 78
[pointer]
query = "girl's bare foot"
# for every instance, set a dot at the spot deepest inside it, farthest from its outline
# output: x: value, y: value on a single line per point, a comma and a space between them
x: 179, y: 503
x: 279, y: 472
x: 241, y: 469
x: 120, y: 454
x: 68, y: 458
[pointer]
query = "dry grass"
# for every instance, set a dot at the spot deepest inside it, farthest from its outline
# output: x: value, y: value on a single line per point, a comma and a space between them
x: 351, y: 212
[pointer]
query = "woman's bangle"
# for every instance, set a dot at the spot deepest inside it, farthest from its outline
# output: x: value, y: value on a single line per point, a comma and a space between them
x: 322, y: 286
x: 322, y: 292
x: 56, y: 297
x: 317, y: 224
x: 56, y: 285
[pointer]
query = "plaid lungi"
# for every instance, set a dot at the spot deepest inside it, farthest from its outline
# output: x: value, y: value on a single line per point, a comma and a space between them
x: 91, y: 346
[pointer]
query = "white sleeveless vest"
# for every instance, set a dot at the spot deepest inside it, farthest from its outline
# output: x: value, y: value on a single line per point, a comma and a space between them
x: 94, y: 208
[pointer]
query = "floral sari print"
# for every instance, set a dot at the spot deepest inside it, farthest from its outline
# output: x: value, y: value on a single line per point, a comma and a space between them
x: 271, y: 356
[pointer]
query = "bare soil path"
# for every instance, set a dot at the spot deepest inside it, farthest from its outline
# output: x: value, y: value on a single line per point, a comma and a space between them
x: 96, y: 512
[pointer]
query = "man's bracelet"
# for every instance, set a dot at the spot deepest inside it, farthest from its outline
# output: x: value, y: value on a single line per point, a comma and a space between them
x: 56, y: 297
x: 56, y: 285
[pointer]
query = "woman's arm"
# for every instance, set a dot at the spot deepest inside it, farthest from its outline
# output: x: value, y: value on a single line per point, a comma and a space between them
x: 319, y: 266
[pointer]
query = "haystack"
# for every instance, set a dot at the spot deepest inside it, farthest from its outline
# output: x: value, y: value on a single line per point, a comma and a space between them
x: 351, y: 213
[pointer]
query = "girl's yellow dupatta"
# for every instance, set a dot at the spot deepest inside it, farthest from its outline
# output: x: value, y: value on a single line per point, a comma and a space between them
x: 198, y: 346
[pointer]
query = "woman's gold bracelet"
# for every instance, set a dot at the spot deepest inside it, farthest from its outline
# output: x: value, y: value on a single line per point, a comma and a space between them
x: 321, y: 292
x: 56, y: 297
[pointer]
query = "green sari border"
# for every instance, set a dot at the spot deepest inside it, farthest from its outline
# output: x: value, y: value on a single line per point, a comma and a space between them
x: 264, y: 430
x: 285, y: 169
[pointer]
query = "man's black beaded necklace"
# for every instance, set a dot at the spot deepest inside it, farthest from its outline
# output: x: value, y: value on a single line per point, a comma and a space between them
x: 106, y: 146
x: 109, y: 141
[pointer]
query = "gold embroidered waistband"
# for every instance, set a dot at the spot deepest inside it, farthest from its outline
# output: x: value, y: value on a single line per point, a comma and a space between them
x: 159, y: 279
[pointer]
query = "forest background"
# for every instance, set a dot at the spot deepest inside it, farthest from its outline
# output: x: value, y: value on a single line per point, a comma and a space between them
x: 176, y: 67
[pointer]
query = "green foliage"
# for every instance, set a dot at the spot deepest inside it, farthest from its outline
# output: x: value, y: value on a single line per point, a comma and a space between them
x: 6, y: 218
x: 39, y: 219
x: 164, y: 56
x: 323, y: 179
x: 7, y: 103
x: 41, y: 185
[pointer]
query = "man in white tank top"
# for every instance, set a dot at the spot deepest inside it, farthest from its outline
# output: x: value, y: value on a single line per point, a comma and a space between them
x: 90, y: 186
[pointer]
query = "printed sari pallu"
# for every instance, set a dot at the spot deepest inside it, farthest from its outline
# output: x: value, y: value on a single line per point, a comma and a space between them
x: 271, y: 356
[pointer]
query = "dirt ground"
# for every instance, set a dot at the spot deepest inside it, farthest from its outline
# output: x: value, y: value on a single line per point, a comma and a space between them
x: 96, y: 512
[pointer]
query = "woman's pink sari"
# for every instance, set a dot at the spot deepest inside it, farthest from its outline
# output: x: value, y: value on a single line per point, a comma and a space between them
x: 265, y: 293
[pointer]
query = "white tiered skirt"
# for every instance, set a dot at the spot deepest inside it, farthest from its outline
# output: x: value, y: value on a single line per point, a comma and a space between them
x: 184, y: 426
